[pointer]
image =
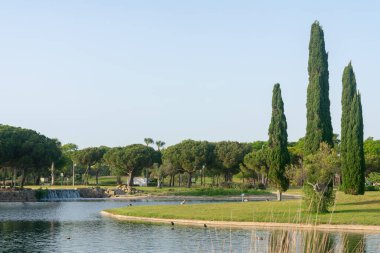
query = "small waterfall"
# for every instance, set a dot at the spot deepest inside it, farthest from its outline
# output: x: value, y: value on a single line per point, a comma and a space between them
x: 61, y: 195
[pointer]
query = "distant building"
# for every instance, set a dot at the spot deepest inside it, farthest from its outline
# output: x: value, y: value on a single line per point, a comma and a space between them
x: 140, y: 181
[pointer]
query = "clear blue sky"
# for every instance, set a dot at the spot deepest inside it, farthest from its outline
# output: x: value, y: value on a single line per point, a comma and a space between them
x: 113, y: 72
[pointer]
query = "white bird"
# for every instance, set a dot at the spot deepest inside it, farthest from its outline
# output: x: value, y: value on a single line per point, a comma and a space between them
x: 183, y: 202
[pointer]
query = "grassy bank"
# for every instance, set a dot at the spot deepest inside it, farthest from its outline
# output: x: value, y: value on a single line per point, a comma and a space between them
x: 197, y: 191
x: 355, y: 210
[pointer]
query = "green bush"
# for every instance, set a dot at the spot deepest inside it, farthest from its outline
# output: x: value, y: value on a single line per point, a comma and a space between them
x: 371, y: 188
x: 40, y: 193
x: 318, y: 202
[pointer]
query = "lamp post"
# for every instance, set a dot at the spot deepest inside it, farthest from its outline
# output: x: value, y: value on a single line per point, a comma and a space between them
x: 74, y: 164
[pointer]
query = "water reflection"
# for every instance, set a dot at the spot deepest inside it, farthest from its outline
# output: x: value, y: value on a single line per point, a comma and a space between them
x: 78, y: 227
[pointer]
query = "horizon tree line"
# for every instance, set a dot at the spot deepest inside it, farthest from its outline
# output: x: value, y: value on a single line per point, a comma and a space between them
x: 228, y: 158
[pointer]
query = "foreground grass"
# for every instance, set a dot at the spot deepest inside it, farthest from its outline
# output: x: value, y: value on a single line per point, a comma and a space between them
x: 355, y: 210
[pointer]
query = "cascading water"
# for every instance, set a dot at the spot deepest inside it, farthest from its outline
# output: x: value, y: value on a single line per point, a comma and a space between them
x: 61, y: 195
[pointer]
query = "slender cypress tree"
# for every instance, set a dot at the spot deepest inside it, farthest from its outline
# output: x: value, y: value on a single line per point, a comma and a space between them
x: 348, y: 93
x: 319, y: 128
x: 353, y: 171
x: 278, y: 142
x: 351, y: 135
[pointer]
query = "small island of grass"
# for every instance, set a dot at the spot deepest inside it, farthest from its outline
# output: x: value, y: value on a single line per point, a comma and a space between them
x: 349, y: 210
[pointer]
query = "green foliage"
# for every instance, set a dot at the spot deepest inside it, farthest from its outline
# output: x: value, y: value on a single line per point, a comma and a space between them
x: 321, y: 168
x: 160, y: 144
x: 89, y: 156
x: 278, y: 142
x: 228, y: 157
x: 190, y: 156
x: 27, y: 151
x: 371, y: 188
x: 297, y: 149
x: 352, y: 149
x: 348, y: 93
x: 148, y: 141
x: 130, y: 160
x: 319, y: 128
x: 353, y: 173
x: 372, y: 155
x: 374, y: 178
x: 40, y: 193
x: 257, y: 162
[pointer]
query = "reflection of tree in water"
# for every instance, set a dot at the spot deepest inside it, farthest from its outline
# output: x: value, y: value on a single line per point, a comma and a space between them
x: 353, y: 243
x: 12, y: 231
x: 314, y: 242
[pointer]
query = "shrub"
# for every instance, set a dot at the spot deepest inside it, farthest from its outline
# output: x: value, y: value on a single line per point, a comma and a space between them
x: 321, y: 167
x: 40, y: 193
x: 371, y: 188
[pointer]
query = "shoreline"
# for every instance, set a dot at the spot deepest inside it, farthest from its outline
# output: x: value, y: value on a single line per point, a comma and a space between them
x: 263, y: 197
x: 246, y: 225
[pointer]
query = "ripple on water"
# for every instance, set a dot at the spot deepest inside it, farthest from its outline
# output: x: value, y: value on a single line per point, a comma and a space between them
x: 78, y: 227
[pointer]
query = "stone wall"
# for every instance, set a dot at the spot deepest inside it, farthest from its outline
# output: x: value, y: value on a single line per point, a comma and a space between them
x: 94, y: 192
x: 17, y: 195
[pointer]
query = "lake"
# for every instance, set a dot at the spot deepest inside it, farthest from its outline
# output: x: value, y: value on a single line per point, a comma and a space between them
x: 77, y: 226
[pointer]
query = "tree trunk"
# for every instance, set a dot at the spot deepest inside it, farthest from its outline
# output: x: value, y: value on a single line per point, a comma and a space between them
x: 159, y: 183
x: 189, y: 180
x: 179, y: 180
x: 52, y: 173
x: 86, y: 175
x: 97, y: 177
x: 14, y: 177
x: 130, y: 179
x: 38, y: 180
x: 279, y: 195
x: 22, y: 178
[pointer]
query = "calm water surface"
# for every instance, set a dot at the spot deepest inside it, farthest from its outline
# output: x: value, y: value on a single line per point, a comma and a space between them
x: 78, y: 227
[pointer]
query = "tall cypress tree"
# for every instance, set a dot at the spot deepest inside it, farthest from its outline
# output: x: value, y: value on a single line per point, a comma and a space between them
x: 354, y: 169
x: 348, y: 93
x: 351, y: 135
x: 319, y: 128
x: 278, y: 143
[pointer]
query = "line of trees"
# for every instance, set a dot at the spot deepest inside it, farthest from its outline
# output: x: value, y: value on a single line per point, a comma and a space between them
x: 319, y: 161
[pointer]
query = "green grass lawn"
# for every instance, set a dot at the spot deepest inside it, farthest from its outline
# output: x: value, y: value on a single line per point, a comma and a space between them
x: 364, y: 210
x: 198, y: 191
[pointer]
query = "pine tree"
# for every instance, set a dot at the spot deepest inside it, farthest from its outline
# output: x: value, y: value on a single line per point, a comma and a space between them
x: 353, y: 171
x: 319, y: 128
x: 278, y: 142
